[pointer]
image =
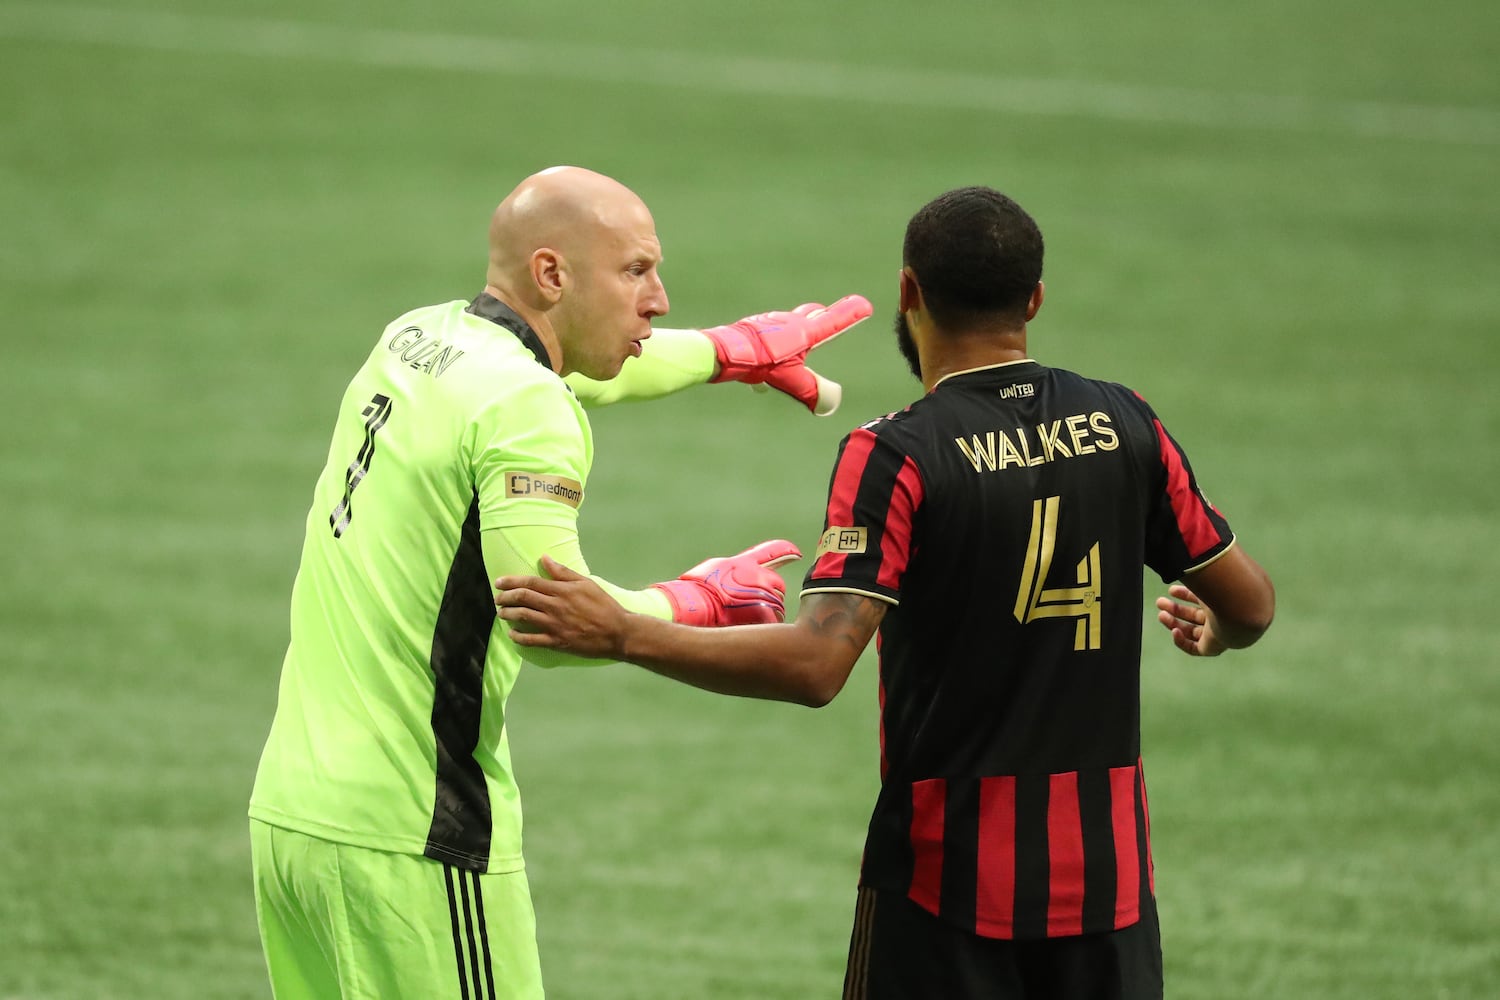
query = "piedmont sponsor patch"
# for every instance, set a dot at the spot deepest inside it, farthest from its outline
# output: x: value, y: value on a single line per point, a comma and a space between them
x: 530, y: 484
x: 845, y: 541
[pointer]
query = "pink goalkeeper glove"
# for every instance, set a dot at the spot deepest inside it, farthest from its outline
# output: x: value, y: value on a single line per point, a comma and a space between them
x: 771, y: 348
x: 733, y: 590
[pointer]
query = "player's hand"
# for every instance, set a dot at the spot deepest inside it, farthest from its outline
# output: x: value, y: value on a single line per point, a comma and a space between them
x: 1189, y: 621
x: 771, y: 348
x: 733, y: 590
x: 563, y: 610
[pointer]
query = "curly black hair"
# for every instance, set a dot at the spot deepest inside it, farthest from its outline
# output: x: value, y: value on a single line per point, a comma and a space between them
x: 977, y: 256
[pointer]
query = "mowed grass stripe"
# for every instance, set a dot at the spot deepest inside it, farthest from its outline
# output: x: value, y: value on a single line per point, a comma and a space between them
x: 782, y: 78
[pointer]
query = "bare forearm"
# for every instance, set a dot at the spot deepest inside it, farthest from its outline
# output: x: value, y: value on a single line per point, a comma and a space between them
x: 1235, y: 635
x: 806, y: 661
x: 1229, y: 605
x: 773, y: 662
x: 1238, y: 596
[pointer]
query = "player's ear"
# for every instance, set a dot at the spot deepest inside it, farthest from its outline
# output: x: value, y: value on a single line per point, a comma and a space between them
x: 1037, y: 294
x: 910, y: 292
x: 549, y: 273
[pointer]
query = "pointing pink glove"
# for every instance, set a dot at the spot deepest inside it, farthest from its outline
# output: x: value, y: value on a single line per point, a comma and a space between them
x: 771, y: 348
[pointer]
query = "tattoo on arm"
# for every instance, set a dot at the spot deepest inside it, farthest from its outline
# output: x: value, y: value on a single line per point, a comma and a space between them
x: 850, y: 618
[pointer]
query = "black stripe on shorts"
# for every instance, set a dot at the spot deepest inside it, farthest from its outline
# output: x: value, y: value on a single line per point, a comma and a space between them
x: 469, y: 952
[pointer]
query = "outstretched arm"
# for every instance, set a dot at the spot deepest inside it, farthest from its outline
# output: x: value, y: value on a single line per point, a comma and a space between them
x: 670, y: 361
x: 767, y: 349
x: 806, y: 661
x: 1227, y: 604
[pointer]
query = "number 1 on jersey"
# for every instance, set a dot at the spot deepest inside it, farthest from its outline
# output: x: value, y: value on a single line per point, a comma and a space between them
x: 1035, y: 601
x: 375, y: 413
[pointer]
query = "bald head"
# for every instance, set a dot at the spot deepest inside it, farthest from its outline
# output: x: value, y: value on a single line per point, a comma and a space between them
x: 560, y: 208
x: 576, y: 254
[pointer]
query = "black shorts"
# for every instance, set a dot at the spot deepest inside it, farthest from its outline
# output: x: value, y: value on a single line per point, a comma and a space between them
x: 899, y: 951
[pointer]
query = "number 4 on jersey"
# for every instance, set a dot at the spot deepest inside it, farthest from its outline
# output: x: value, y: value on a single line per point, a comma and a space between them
x: 375, y: 413
x: 1035, y: 601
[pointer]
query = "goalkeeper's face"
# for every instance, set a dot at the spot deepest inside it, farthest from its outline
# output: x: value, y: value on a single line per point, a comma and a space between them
x: 614, y: 293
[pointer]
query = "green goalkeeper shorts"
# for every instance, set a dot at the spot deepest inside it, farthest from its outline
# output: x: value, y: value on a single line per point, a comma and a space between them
x: 338, y: 921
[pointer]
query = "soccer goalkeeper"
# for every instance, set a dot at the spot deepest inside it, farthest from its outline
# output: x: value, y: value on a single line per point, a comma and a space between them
x: 385, y: 819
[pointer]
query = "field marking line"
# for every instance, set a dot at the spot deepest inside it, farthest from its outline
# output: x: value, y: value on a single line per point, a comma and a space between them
x: 777, y: 78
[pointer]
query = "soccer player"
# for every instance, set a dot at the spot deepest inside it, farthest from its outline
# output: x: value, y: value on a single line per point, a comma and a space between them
x: 995, y: 532
x: 385, y: 819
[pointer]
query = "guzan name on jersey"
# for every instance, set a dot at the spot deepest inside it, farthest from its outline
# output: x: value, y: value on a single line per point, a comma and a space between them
x: 422, y: 352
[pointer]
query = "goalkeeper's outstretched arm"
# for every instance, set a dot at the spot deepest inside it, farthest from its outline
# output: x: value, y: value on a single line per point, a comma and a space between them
x: 670, y: 361
x: 765, y: 350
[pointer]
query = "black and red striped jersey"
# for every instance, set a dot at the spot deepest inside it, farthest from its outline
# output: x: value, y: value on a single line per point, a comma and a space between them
x: 1008, y: 517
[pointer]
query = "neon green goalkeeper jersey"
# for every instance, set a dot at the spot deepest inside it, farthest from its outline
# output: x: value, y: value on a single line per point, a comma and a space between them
x: 390, y: 723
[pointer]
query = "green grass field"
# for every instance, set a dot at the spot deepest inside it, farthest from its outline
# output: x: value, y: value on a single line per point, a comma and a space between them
x: 1278, y: 221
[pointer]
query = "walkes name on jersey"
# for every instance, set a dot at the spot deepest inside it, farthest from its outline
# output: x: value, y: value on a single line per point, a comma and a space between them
x: 1070, y: 437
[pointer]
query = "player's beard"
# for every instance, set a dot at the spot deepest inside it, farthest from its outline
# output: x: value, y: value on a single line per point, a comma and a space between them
x: 907, y: 345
